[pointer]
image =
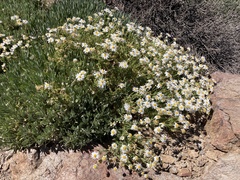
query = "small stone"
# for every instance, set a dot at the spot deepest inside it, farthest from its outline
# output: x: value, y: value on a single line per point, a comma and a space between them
x: 184, y: 154
x: 173, y: 170
x: 168, y: 159
x: 181, y: 164
x: 196, y: 169
x: 184, y: 172
x: 201, y: 161
x: 224, y: 127
x: 202, y: 152
x: 5, y: 167
x: 211, y: 155
x: 227, y: 167
x: 193, y: 153
x: 165, y: 166
x: 179, y: 157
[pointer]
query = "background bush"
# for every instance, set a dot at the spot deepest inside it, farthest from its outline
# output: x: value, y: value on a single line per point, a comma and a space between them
x: 209, y: 28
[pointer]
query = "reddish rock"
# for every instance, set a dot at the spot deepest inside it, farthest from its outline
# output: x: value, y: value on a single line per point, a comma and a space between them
x: 63, y: 166
x: 193, y: 153
x: 224, y: 127
x: 220, y: 131
x: 173, y: 170
x: 184, y: 172
x: 226, y: 168
x: 214, y: 154
x: 168, y: 159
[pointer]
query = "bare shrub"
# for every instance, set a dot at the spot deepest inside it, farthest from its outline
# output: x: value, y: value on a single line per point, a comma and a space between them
x: 209, y: 28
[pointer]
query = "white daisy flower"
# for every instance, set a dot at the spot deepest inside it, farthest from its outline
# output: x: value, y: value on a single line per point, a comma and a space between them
x: 163, y: 138
x: 87, y: 50
x: 105, y: 55
x: 47, y: 86
x: 147, y: 120
x: 95, y: 155
x: 134, y: 127
x: 158, y: 130
x: 114, y: 146
x: 124, y: 158
x: 97, y: 74
x: 141, y: 110
x: 123, y: 64
x: 124, y: 148
x: 102, y: 71
x: 156, y: 158
x: 97, y: 33
x: 135, y: 158
x: 113, y: 132
x: 127, y: 117
x: 122, y: 138
x: 101, y: 83
x: 138, y: 166
x: 127, y: 107
x: 134, y: 52
x: 122, y: 85
x: 148, y: 153
x: 80, y: 76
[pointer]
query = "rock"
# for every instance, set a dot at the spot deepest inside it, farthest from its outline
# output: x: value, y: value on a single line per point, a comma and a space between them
x: 184, y: 156
x: 164, y: 176
x: 168, y: 159
x: 184, y: 172
x: 193, y: 153
x: 201, y: 161
x: 4, y: 156
x: 173, y: 170
x: 214, y: 154
x: 165, y: 166
x: 220, y: 131
x: 224, y: 127
x: 196, y: 170
x: 181, y: 164
x: 227, y: 168
x: 64, y: 165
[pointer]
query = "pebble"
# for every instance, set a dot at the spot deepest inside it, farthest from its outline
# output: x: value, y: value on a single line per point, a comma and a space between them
x: 201, y: 161
x: 173, y: 170
x: 211, y: 155
x: 184, y: 155
x: 193, y: 153
x: 184, y: 172
x: 165, y: 166
x: 168, y: 159
x: 181, y: 164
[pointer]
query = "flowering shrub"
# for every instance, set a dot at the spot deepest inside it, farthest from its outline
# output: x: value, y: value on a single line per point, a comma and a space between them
x: 158, y: 84
x: 8, y: 44
x: 26, y: 118
x: 104, y: 77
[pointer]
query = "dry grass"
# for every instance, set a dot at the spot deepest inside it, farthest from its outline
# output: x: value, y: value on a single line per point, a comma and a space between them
x: 210, y: 28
